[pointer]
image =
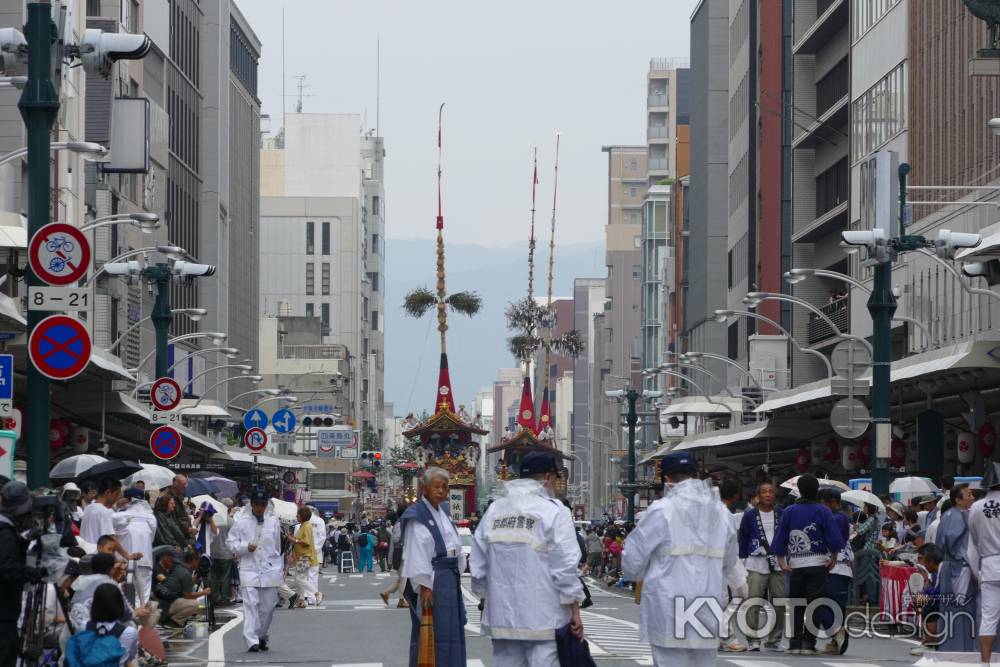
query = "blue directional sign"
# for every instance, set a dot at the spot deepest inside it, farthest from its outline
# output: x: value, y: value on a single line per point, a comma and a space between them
x: 6, y: 377
x: 255, y: 418
x: 283, y: 421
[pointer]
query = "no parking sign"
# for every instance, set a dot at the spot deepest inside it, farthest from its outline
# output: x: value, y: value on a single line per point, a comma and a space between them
x: 165, y: 443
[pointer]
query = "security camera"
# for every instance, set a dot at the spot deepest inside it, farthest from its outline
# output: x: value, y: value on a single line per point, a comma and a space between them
x: 616, y: 393
x: 190, y: 269
x: 123, y: 268
x: 13, y: 52
x: 100, y: 50
x: 947, y: 242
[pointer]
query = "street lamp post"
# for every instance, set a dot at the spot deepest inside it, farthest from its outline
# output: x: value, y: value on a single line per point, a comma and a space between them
x: 194, y: 314
x: 217, y: 337
x: 38, y: 105
x: 721, y: 316
x: 631, y: 396
x: 757, y: 297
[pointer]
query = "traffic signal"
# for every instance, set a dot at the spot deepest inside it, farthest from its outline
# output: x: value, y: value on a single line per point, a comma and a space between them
x: 317, y: 422
x: 377, y: 459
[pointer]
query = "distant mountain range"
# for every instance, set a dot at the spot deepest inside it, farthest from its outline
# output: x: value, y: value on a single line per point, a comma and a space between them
x: 477, y: 347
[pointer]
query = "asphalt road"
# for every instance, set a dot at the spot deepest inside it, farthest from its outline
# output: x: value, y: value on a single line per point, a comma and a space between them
x: 353, y: 628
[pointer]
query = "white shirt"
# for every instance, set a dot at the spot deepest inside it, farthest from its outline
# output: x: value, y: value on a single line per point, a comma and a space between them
x: 418, y: 547
x: 263, y: 567
x: 984, y: 537
x: 135, y: 527
x: 98, y: 521
x: 319, y: 534
x: 759, y: 564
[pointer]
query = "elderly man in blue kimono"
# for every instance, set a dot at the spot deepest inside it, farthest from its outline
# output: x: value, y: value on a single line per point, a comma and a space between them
x: 958, y: 589
x: 432, y: 564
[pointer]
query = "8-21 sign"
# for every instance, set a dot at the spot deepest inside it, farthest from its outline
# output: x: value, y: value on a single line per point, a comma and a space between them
x: 58, y: 298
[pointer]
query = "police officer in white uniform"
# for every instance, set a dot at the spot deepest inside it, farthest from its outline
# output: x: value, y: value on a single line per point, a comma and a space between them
x: 319, y: 538
x: 524, y: 563
x: 256, y: 539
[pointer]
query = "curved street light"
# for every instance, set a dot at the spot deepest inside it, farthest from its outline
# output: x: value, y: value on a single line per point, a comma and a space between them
x: 194, y: 314
x: 697, y: 386
x: 145, y: 222
x: 712, y: 376
x: 958, y: 276
x: 253, y: 378
x: 694, y: 356
x: 85, y: 148
x: 795, y: 276
x: 721, y: 316
x: 230, y: 352
x: 757, y: 297
x: 269, y: 391
x: 217, y: 337
x: 283, y: 397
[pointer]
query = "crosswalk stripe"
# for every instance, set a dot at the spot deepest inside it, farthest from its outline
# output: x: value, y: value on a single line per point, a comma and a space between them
x: 755, y: 663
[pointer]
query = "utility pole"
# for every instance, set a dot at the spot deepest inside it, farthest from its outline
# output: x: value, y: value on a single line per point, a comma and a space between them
x: 38, y: 105
x: 161, y: 317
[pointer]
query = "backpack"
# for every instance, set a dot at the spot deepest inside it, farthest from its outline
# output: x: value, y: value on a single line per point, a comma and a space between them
x: 95, y: 647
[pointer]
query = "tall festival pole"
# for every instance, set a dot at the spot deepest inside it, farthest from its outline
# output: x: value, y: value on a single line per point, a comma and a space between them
x: 545, y: 414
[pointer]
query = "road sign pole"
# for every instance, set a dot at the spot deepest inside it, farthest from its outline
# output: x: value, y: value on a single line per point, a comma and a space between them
x: 161, y: 317
x: 38, y: 105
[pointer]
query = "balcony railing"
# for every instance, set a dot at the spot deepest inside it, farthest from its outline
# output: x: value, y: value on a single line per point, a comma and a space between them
x: 657, y: 163
x: 839, y: 312
x: 656, y: 100
x: 312, y: 352
x: 657, y: 132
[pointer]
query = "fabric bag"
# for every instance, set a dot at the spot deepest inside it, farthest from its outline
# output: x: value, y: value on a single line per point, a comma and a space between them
x: 572, y: 652
x: 95, y: 647
x: 425, y: 646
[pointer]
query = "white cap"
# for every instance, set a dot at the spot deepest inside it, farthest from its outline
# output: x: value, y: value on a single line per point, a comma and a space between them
x: 70, y: 486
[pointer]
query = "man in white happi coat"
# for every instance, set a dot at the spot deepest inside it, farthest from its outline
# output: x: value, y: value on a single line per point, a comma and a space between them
x: 684, y: 549
x: 319, y: 538
x: 984, y: 558
x: 525, y: 563
x: 255, y: 538
x: 135, y: 526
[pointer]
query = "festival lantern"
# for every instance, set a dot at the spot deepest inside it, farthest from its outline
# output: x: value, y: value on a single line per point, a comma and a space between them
x: 966, y: 447
x: 58, y: 433
x: 864, y: 451
x: 987, y: 435
x: 898, y: 452
x: 849, y: 456
x: 802, y: 460
x: 816, y: 452
x: 832, y: 450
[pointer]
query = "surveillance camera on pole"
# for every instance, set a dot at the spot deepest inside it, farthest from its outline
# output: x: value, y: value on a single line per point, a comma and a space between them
x: 989, y: 270
x: 100, y: 50
x: 13, y: 52
x: 875, y: 241
x: 948, y: 242
x: 184, y: 269
x: 615, y: 393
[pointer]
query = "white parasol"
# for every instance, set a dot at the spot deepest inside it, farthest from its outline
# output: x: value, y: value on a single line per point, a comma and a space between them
x: 151, y: 475
x: 221, y: 517
x: 74, y: 466
x: 861, y: 498
x: 906, y: 488
x: 793, y: 484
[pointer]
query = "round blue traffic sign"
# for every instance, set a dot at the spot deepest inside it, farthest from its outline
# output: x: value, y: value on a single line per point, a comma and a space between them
x: 255, y: 418
x: 165, y: 443
x: 283, y: 421
x: 59, y: 347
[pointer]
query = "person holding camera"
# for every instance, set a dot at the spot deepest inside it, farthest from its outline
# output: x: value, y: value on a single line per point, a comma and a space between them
x: 15, y: 519
x: 175, y: 586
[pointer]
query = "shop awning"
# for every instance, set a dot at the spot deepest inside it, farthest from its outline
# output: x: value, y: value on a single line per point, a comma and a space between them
x: 108, y: 365
x: 10, y: 311
x: 204, y: 409
x: 701, y: 405
x: 988, y: 249
x: 790, y: 430
x: 290, y: 462
x: 966, y: 355
x: 13, y: 230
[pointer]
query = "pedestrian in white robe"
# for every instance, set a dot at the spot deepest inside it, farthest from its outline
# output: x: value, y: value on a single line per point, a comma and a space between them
x: 319, y: 537
x: 255, y: 539
x: 135, y: 526
x: 984, y: 558
x: 525, y: 563
x: 684, y: 548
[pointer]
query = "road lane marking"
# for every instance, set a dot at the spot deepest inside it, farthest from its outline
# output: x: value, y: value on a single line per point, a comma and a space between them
x: 216, y: 647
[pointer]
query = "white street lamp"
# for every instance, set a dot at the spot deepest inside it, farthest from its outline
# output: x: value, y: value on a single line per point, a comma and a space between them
x: 118, y: 268
x: 194, y: 314
x: 145, y: 222
x: 217, y: 337
x: 721, y: 316
x: 757, y: 297
x: 256, y: 379
x: 85, y: 148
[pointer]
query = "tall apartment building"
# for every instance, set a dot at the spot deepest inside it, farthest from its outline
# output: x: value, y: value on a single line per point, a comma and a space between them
x: 588, y: 301
x: 706, y: 200
x: 668, y: 82
x: 821, y: 167
x: 230, y: 201
x: 322, y: 240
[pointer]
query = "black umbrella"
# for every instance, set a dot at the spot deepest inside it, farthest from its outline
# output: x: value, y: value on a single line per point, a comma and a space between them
x: 116, y: 469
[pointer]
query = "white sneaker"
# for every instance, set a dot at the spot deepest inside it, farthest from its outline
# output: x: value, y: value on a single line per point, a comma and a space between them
x: 733, y: 646
x: 319, y: 599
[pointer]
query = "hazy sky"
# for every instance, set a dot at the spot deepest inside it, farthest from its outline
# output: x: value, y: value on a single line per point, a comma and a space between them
x: 510, y: 74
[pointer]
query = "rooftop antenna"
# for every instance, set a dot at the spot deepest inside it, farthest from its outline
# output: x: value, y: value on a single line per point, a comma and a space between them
x: 301, y: 85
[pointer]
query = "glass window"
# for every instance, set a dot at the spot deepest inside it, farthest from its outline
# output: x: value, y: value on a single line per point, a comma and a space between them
x: 310, y: 310
x: 326, y: 238
x: 325, y: 319
x: 325, y: 278
x: 329, y: 481
x: 879, y: 114
x: 310, y: 278
x: 310, y: 238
